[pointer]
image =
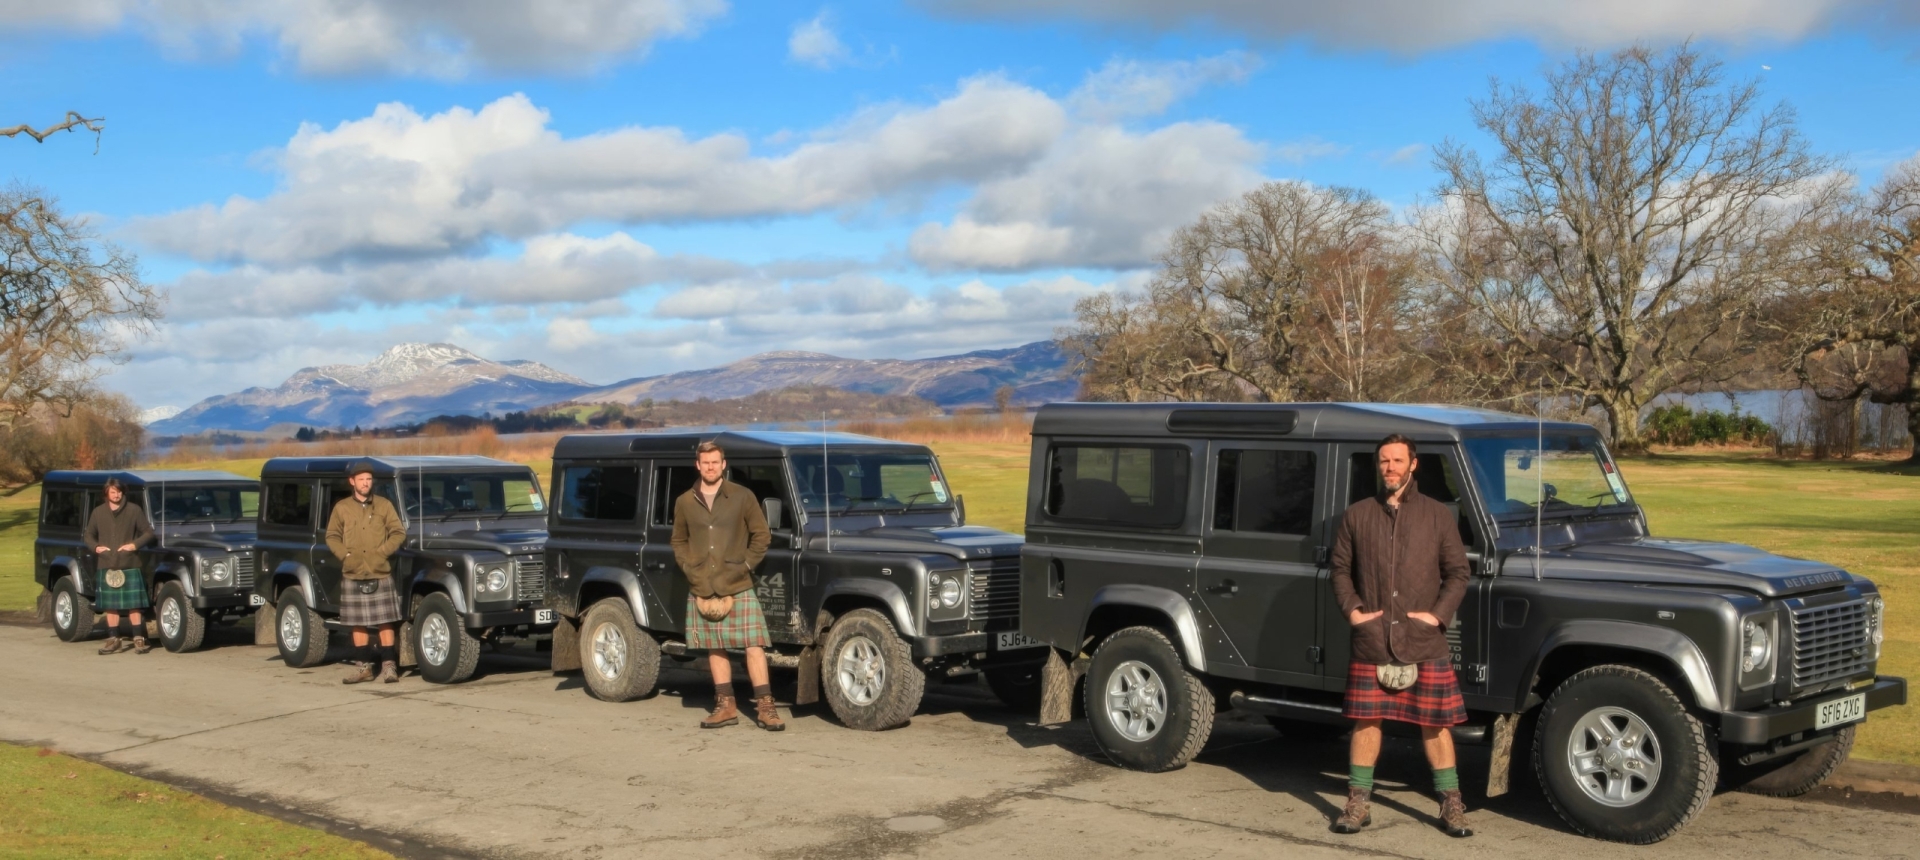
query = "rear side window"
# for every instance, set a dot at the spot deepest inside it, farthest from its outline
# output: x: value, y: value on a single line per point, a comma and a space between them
x: 1265, y: 491
x: 62, y: 508
x: 1118, y: 486
x: 290, y: 504
x: 669, y: 484
x: 600, y: 493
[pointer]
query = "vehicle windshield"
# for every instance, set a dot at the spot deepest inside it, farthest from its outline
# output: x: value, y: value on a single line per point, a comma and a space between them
x: 464, y: 495
x: 870, y: 483
x: 1571, y: 473
x: 181, y: 504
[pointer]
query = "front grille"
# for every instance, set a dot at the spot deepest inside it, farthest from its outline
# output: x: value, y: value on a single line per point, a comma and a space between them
x: 1830, y: 642
x: 243, y: 571
x: 530, y: 578
x: 996, y: 589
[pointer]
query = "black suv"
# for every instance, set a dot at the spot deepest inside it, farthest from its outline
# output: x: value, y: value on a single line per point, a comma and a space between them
x: 200, y: 568
x: 1177, y: 557
x: 470, y: 569
x: 873, y: 581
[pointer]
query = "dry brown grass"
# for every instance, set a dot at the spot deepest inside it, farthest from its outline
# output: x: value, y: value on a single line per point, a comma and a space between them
x: 963, y: 427
x: 483, y: 443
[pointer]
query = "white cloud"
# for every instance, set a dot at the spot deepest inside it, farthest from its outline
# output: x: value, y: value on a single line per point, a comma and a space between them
x: 1417, y: 25
x: 401, y: 184
x: 437, y: 38
x: 1406, y: 154
x: 1125, y: 89
x: 814, y: 43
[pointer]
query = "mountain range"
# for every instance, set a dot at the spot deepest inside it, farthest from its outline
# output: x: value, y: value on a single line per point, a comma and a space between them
x: 414, y: 381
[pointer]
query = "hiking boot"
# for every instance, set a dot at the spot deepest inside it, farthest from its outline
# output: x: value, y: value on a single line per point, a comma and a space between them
x: 1358, y: 814
x: 140, y: 645
x: 114, y: 645
x: 362, y: 673
x: 724, y: 714
x: 766, y: 716
x: 389, y: 673
x: 1453, y: 814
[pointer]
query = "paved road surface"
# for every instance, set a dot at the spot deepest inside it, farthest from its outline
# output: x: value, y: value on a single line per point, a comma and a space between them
x: 522, y: 763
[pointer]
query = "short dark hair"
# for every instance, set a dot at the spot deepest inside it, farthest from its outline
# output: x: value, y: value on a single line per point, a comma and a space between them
x: 114, y: 484
x: 1397, y: 439
x: 709, y: 447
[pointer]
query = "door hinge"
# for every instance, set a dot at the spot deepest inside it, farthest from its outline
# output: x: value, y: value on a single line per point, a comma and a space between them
x: 1477, y: 673
x: 1315, y: 655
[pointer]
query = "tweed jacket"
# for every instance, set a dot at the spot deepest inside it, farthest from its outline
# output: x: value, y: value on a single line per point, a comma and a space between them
x: 1398, y: 561
x: 115, y: 529
x: 364, y: 536
x: 719, y: 547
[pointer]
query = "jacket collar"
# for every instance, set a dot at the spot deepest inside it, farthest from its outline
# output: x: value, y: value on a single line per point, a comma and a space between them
x: 1413, y: 492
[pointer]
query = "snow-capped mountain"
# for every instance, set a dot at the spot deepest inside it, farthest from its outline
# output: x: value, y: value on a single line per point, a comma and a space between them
x: 157, y: 413
x: 408, y: 382
x: 1038, y: 373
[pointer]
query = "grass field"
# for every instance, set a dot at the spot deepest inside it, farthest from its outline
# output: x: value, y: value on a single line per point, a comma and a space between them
x: 53, y: 806
x: 1862, y: 516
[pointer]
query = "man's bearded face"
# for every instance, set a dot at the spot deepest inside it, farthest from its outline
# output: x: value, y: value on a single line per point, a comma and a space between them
x: 1396, y: 467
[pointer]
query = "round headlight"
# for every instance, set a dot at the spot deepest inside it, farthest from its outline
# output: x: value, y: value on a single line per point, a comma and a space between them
x: 219, y: 571
x: 1759, y: 646
x: 950, y: 593
x: 497, y: 579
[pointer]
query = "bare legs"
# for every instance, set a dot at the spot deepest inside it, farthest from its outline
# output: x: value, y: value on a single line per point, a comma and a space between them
x: 722, y: 668
x: 1365, y: 747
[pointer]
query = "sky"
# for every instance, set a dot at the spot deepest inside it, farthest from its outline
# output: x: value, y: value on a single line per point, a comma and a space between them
x: 621, y: 188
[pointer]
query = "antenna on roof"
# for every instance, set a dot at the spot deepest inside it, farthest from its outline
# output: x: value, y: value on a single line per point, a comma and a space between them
x: 826, y: 481
x: 1539, y: 472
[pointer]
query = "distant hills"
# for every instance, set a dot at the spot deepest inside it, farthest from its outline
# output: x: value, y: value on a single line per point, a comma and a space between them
x: 413, y: 382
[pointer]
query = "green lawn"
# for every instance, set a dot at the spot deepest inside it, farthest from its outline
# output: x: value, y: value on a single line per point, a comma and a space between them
x: 53, y: 806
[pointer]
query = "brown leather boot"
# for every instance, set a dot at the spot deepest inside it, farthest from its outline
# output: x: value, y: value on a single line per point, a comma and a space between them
x: 724, y: 714
x: 1358, y: 814
x: 1453, y: 814
x: 766, y: 716
x: 362, y: 673
x: 389, y: 673
x: 113, y: 646
x: 140, y: 645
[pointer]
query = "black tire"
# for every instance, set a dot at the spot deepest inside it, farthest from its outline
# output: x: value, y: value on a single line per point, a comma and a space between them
x: 454, y: 653
x: 78, y: 610
x: 1629, y: 714
x: 299, y: 631
x: 182, y: 627
x: 1184, y: 705
x: 619, y: 661
x: 1308, y: 730
x: 1018, y: 687
x: 1791, y: 775
x: 868, y: 674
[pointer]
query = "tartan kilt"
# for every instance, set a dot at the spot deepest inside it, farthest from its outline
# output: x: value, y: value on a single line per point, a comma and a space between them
x: 1434, y: 700
x: 369, y: 610
x: 127, y: 597
x: 744, y: 627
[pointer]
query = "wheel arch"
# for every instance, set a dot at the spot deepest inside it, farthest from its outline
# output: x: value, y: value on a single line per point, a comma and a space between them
x: 844, y: 595
x: 289, y: 574
x: 435, y: 580
x: 65, y: 567
x: 601, y: 582
x: 1662, y: 652
x: 1115, y: 607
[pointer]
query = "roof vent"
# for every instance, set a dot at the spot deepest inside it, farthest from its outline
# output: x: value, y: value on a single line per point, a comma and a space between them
x: 1237, y: 422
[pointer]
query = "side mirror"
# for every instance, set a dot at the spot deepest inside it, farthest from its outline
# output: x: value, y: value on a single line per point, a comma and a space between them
x: 960, y: 508
x: 773, y: 510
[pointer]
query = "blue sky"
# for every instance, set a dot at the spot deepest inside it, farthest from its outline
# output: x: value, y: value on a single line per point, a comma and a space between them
x: 626, y: 187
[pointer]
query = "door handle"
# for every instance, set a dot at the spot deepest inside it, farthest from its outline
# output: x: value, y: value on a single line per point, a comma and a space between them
x: 1226, y: 586
x: 656, y: 565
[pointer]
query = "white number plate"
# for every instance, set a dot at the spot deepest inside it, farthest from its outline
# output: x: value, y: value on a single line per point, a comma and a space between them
x: 256, y: 600
x: 1008, y: 641
x: 543, y: 616
x: 1840, y: 711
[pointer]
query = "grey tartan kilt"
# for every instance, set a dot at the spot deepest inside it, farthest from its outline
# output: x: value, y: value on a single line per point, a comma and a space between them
x: 369, y: 610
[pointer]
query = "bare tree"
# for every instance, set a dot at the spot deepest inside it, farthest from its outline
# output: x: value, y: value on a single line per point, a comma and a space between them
x: 1863, y: 334
x: 1615, y: 242
x: 1361, y: 304
x: 1124, y: 350
x: 73, y: 121
x: 68, y: 304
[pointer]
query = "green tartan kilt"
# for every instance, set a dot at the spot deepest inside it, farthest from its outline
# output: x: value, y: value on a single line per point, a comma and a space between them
x: 744, y: 627
x: 132, y: 595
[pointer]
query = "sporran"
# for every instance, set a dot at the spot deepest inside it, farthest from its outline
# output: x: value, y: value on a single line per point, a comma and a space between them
x: 116, y: 578
x: 367, y: 586
x: 714, y: 608
x: 1397, y: 676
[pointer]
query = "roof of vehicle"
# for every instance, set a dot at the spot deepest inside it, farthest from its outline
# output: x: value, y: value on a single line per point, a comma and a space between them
x: 140, y: 477
x: 1362, y: 421
x: 383, y: 467
x: 737, y: 443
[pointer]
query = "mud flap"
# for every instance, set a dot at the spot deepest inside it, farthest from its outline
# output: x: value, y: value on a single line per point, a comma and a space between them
x: 1502, y: 762
x: 403, y: 645
x: 1057, y: 681
x: 807, y: 686
x: 263, y: 621
x: 43, y: 608
x: 566, y: 644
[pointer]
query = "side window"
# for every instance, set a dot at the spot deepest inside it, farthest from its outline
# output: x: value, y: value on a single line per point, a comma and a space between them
x: 290, y: 504
x: 768, y: 481
x: 1265, y: 491
x: 669, y: 482
x: 1119, y: 486
x: 62, y: 508
x: 600, y: 493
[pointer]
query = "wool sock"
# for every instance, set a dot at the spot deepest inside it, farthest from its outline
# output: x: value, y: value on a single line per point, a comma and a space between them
x: 1446, y: 779
x: 723, y: 691
x: 389, y: 654
x: 762, y: 690
x: 1360, y: 777
x: 125, y: 628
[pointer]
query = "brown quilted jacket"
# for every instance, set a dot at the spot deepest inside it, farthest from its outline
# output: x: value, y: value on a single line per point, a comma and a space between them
x: 1399, y: 561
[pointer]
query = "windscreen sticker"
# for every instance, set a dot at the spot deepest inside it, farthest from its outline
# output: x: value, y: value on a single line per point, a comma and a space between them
x: 939, y: 492
x: 1619, y: 488
x: 534, y: 499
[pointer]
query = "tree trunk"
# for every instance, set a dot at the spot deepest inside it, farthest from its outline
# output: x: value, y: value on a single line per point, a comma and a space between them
x: 1913, y: 432
x: 1623, y: 412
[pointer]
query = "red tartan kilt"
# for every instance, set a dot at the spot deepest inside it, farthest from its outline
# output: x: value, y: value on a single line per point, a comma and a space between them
x: 1434, y: 700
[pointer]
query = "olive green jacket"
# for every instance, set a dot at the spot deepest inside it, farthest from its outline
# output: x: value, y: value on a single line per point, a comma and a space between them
x: 363, y: 536
x: 719, y: 547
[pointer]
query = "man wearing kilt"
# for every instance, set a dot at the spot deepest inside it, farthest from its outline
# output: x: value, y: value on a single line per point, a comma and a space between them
x: 719, y: 537
x: 363, y: 532
x: 115, y: 530
x: 1399, y: 573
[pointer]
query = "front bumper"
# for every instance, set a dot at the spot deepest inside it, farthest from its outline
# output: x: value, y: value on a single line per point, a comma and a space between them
x: 511, y: 618
x: 230, y: 600
x: 1761, y: 726
x: 974, y: 643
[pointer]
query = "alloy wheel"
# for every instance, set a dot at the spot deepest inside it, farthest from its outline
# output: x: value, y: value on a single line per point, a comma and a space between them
x: 1136, y: 701
x: 609, y: 651
x: 861, y: 670
x: 1614, y: 757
